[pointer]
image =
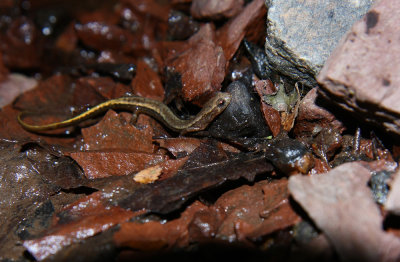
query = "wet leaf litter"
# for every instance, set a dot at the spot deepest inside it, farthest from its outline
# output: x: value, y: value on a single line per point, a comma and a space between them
x: 277, y: 174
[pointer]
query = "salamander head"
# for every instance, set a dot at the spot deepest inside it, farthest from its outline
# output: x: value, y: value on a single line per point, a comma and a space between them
x: 211, y: 109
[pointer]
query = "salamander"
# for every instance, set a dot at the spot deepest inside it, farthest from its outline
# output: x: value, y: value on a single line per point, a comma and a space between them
x: 154, y: 108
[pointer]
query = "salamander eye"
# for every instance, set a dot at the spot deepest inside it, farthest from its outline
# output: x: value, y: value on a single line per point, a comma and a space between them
x: 221, y: 102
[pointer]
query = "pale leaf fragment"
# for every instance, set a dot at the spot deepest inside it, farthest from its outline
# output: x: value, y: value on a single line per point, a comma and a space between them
x: 148, y: 175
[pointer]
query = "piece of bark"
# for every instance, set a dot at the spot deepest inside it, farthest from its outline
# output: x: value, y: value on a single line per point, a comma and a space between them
x: 167, y: 195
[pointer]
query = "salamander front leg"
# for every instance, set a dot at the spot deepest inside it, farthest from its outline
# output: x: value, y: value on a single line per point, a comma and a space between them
x: 135, y: 115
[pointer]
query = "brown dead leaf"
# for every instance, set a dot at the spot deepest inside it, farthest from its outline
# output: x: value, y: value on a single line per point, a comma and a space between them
x: 179, y: 146
x: 54, y: 99
x: 232, y: 33
x: 104, y: 86
x: 17, y: 52
x: 4, y: 72
x: 286, y: 104
x: 271, y: 115
x: 68, y: 39
x: 148, y: 19
x: 147, y: 83
x: 201, y: 65
x: 115, y: 131
x: 182, y: 146
x: 11, y: 130
x: 100, y: 164
x: 154, y: 235
x: 320, y: 167
x: 313, y: 117
x: 101, y: 35
x: 88, y: 217
x: 171, y: 166
x: 251, y: 212
x: 30, y: 175
x: 156, y: 9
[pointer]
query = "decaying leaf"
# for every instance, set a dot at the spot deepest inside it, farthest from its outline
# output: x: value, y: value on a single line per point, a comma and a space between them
x: 114, y: 187
x: 286, y: 104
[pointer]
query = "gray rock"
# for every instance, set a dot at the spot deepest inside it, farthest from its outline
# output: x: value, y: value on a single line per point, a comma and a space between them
x: 302, y: 34
x: 362, y: 74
